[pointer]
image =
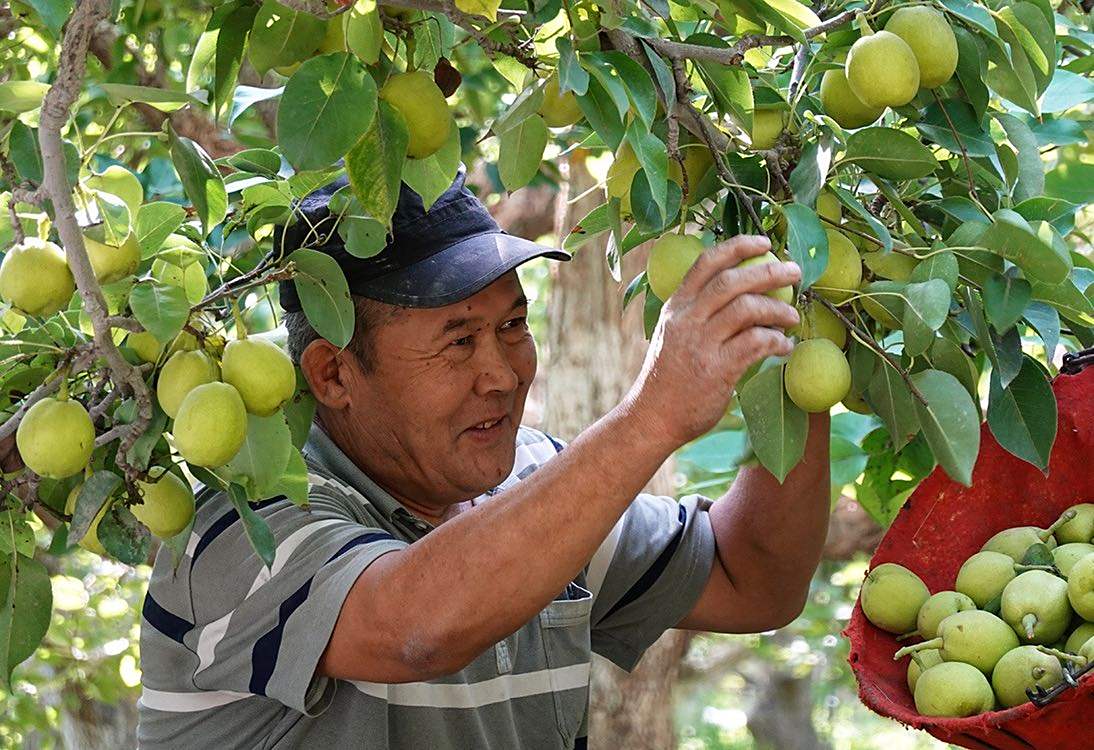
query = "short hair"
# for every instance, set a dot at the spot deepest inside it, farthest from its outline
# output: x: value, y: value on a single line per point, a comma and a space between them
x: 369, y: 314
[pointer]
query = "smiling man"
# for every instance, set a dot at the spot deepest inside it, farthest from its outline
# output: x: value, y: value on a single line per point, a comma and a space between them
x: 454, y: 571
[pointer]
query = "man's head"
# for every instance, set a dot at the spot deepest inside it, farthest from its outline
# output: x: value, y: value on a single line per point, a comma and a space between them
x: 440, y: 347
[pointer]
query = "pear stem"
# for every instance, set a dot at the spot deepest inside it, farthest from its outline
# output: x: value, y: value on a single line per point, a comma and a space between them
x: 241, y: 327
x: 62, y: 389
x: 863, y: 25
x: 924, y: 646
x: 906, y: 636
x: 1062, y: 655
x: 1023, y: 568
x: 1067, y: 516
x: 1029, y: 622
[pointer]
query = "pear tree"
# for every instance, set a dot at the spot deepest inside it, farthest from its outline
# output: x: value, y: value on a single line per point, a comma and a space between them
x: 925, y: 163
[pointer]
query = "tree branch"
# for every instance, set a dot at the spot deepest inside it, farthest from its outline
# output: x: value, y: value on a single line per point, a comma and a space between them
x: 724, y: 55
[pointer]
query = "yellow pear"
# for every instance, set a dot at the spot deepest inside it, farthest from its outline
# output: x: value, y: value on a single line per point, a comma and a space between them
x: 767, y: 126
x: 420, y: 101
x: 829, y: 207
x: 90, y: 541
x: 149, y: 349
x: 182, y: 373
x: 818, y: 322
x: 168, y: 504
x: 842, y: 276
x: 931, y: 38
x: 697, y: 161
x: 881, y: 301
x: 112, y: 262
x: 623, y: 168
x: 35, y: 278
x: 211, y: 425
x: 882, y: 70
x: 670, y: 258
x: 55, y: 437
x: 119, y: 181
x: 335, y: 38
x: 817, y: 376
x: 783, y: 293
x: 841, y: 104
x: 892, y: 265
x: 558, y: 110
x: 261, y: 372
x: 854, y: 402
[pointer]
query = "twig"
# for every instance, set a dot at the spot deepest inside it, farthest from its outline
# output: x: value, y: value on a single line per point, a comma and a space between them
x: 724, y: 55
x: 868, y: 340
x: 961, y: 145
x: 8, y: 170
x: 127, y: 324
x: 832, y: 23
x: 798, y: 73
x: 245, y: 282
x: 317, y: 8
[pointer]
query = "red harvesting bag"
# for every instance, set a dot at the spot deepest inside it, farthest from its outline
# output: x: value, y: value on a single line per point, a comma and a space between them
x: 942, y: 525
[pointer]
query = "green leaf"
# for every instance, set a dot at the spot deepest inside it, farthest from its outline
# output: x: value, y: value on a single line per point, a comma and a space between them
x: 260, y: 161
x: 16, y: 535
x: 604, y: 73
x: 254, y: 526
x: 647, y: 216
x: 94, y: 493
x: 204, y: 53
x: 638, y: 84
x: 365, y: 31
x: 599, y: 109
x: 521, y: 151
x: 848, y: 199
x: 666, y: 81
x: 1022, y: 417
x: 17, y: 97
x: 777, y: 427
x: 324, y: 295
x: 653, y: 156
x: 971, y: 68
x: 890, y: 153
x: 807, y: 242
x: 811, y: 171
x: 328, y: 104
x: 231, y: 40
x: 200, y: 179
x: 950, y: 423
x: 281, y: 36
x: 1025, y: 38
x: 1031, y: 169
x: 947, y: 356
x: 124, y: 537
x: 939, y: 265
x: 527, y: 103
x: 1046, y: 321
x: 155, y: 221
x: 571, y: 76
x: 427, y: 46
x: 929, y: 301
x: 936, y: 128
x: 141, y: 451
x: 729, y: 87
x: 262, y: 458
x: 162, y: 99
x: 591, y: 226
x: 1012, y: 238
x: 375, y: 163
x: 363, y: 236
x: 299, y: 413
x: 431, y: 176
x: 161, y: 308
x: 1057, y: 212
x: 247, y: 96
x: 293, y: 482
x: 53, y: 13
x: 1008, y: 350
x: 1067, y: 90
x: 1005, y: 299
x: 26, y: 603
x: 24, y: 152
x: 1011, y: 77
x: 1066, y: 298
x: 891, y: 400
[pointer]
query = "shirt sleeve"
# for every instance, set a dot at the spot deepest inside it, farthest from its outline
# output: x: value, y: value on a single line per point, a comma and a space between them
x: 648, y: 574
x: 262, y: 631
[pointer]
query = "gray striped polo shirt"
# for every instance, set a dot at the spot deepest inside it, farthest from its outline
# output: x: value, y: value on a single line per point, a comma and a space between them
x: 229, y: 647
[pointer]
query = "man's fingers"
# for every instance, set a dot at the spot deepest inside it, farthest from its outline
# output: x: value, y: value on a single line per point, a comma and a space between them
x: 722, y: 256
x: 730, y: 283
x: 750, y: 310
x: 753, y: 344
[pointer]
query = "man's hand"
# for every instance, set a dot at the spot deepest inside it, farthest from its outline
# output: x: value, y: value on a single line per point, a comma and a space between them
x: 716, y: 325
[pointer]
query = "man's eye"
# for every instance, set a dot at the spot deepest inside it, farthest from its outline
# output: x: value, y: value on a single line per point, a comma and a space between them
x: 516, y: 322
x: 464, y: 341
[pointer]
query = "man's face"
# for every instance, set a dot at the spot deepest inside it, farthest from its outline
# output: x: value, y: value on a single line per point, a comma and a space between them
x: 440, y: 373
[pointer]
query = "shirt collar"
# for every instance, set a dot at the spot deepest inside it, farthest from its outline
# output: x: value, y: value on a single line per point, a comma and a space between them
x: 323, y: 450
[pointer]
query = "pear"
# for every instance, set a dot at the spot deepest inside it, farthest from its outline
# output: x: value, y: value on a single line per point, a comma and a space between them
x: 1078, y: 637
x: 938, y: 608
x: 975, y: 637
x: 983, y: 576
x: 783, y: 293
x: 168, y: 504
x: 183, y: 372
x: 559, y: 110
x: 932, y: 40
x: 422, y: 104
x: 55, y: 437
x: 891, y: 597
x: 1017, y: 540
x: 818, y: 322
x: 843, y: 274
x: 670, y: 258
x: 1035, y: 604
x: 211, y: 425
x: 1022, y: 668
x: 1080, y: 588
x: 921, y: 662
x: 882, y: 70
x: 1066, y: 555
x: 1080, y: 528
x: 261, y: 372
x: 90, y: 540
x: 1087, y: 650
x: 35, y: 278
x: 953, y: 689
x: 817, y: 375
x: 841, y: 104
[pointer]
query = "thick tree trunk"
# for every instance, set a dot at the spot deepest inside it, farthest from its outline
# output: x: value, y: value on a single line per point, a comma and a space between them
x: 593, y: 355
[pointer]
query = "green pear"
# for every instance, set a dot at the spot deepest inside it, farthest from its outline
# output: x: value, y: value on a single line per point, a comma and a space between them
x: 1080, y: 588
x: 1080, y: 528
x: 891, y: 597
x: 55, y: 437
x: 975, y: 637
x: 670, y: 258
x: 182, y: 373
x: 1066, y: 555
x: 1023, y: 668
x: 1078, y: 637
x: 921, y: 662
x: 1016, y: 541
x: 35, y: 278
x: 817, y: 375
x: 261, y: 372
x: 211, y: 425
x: 938, y: 608
x: 843, y: 274
x: 983, y: 576
x: 882, y: 70
x: 1035, y: 604
x: 932, y: 40
x: 953, y: 689
x: 90, y: 540
x: 783, y: 293
x: 168, y: 504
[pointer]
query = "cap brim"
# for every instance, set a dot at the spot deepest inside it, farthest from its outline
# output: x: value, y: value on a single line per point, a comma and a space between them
x: 457, y: 272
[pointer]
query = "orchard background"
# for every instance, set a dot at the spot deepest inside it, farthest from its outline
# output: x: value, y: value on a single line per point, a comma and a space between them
x: 944, y: 246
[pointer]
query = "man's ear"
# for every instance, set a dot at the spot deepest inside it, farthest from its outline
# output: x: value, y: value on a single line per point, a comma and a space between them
x: 329, y: 373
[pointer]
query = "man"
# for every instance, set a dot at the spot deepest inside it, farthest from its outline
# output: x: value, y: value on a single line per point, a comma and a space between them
x: 454, y: 570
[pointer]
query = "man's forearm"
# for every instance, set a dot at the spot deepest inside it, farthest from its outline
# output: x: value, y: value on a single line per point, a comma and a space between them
x: 782, y: 525
x: 497, y: 565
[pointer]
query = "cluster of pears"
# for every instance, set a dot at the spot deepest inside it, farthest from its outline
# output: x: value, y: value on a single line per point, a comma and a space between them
x: 1020, y: 610
x: 697, y: 163
x: 916, y: 50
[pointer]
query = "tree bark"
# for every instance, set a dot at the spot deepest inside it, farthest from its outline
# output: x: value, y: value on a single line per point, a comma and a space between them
x: 593, y: 354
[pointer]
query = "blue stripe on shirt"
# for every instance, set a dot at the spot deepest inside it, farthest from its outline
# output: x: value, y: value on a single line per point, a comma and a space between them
x: 643, y: 584
x: 168, y: 623
x: 222, y: 524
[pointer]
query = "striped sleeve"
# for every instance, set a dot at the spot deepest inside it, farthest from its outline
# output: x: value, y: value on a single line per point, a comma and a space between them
x: 259, y: 631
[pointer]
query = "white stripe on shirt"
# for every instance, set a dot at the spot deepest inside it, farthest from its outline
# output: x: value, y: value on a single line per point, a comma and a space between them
x: 162, y: 700
x: 598, y: 566
x: 476, y: 694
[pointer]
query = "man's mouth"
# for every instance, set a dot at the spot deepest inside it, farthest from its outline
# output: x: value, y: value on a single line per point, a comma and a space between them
x: 489, y: 427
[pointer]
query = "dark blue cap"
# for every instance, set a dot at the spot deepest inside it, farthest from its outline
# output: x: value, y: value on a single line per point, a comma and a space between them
x: 432, y: 258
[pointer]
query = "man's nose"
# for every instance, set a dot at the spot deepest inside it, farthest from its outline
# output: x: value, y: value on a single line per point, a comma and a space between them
x: 496, y: 372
